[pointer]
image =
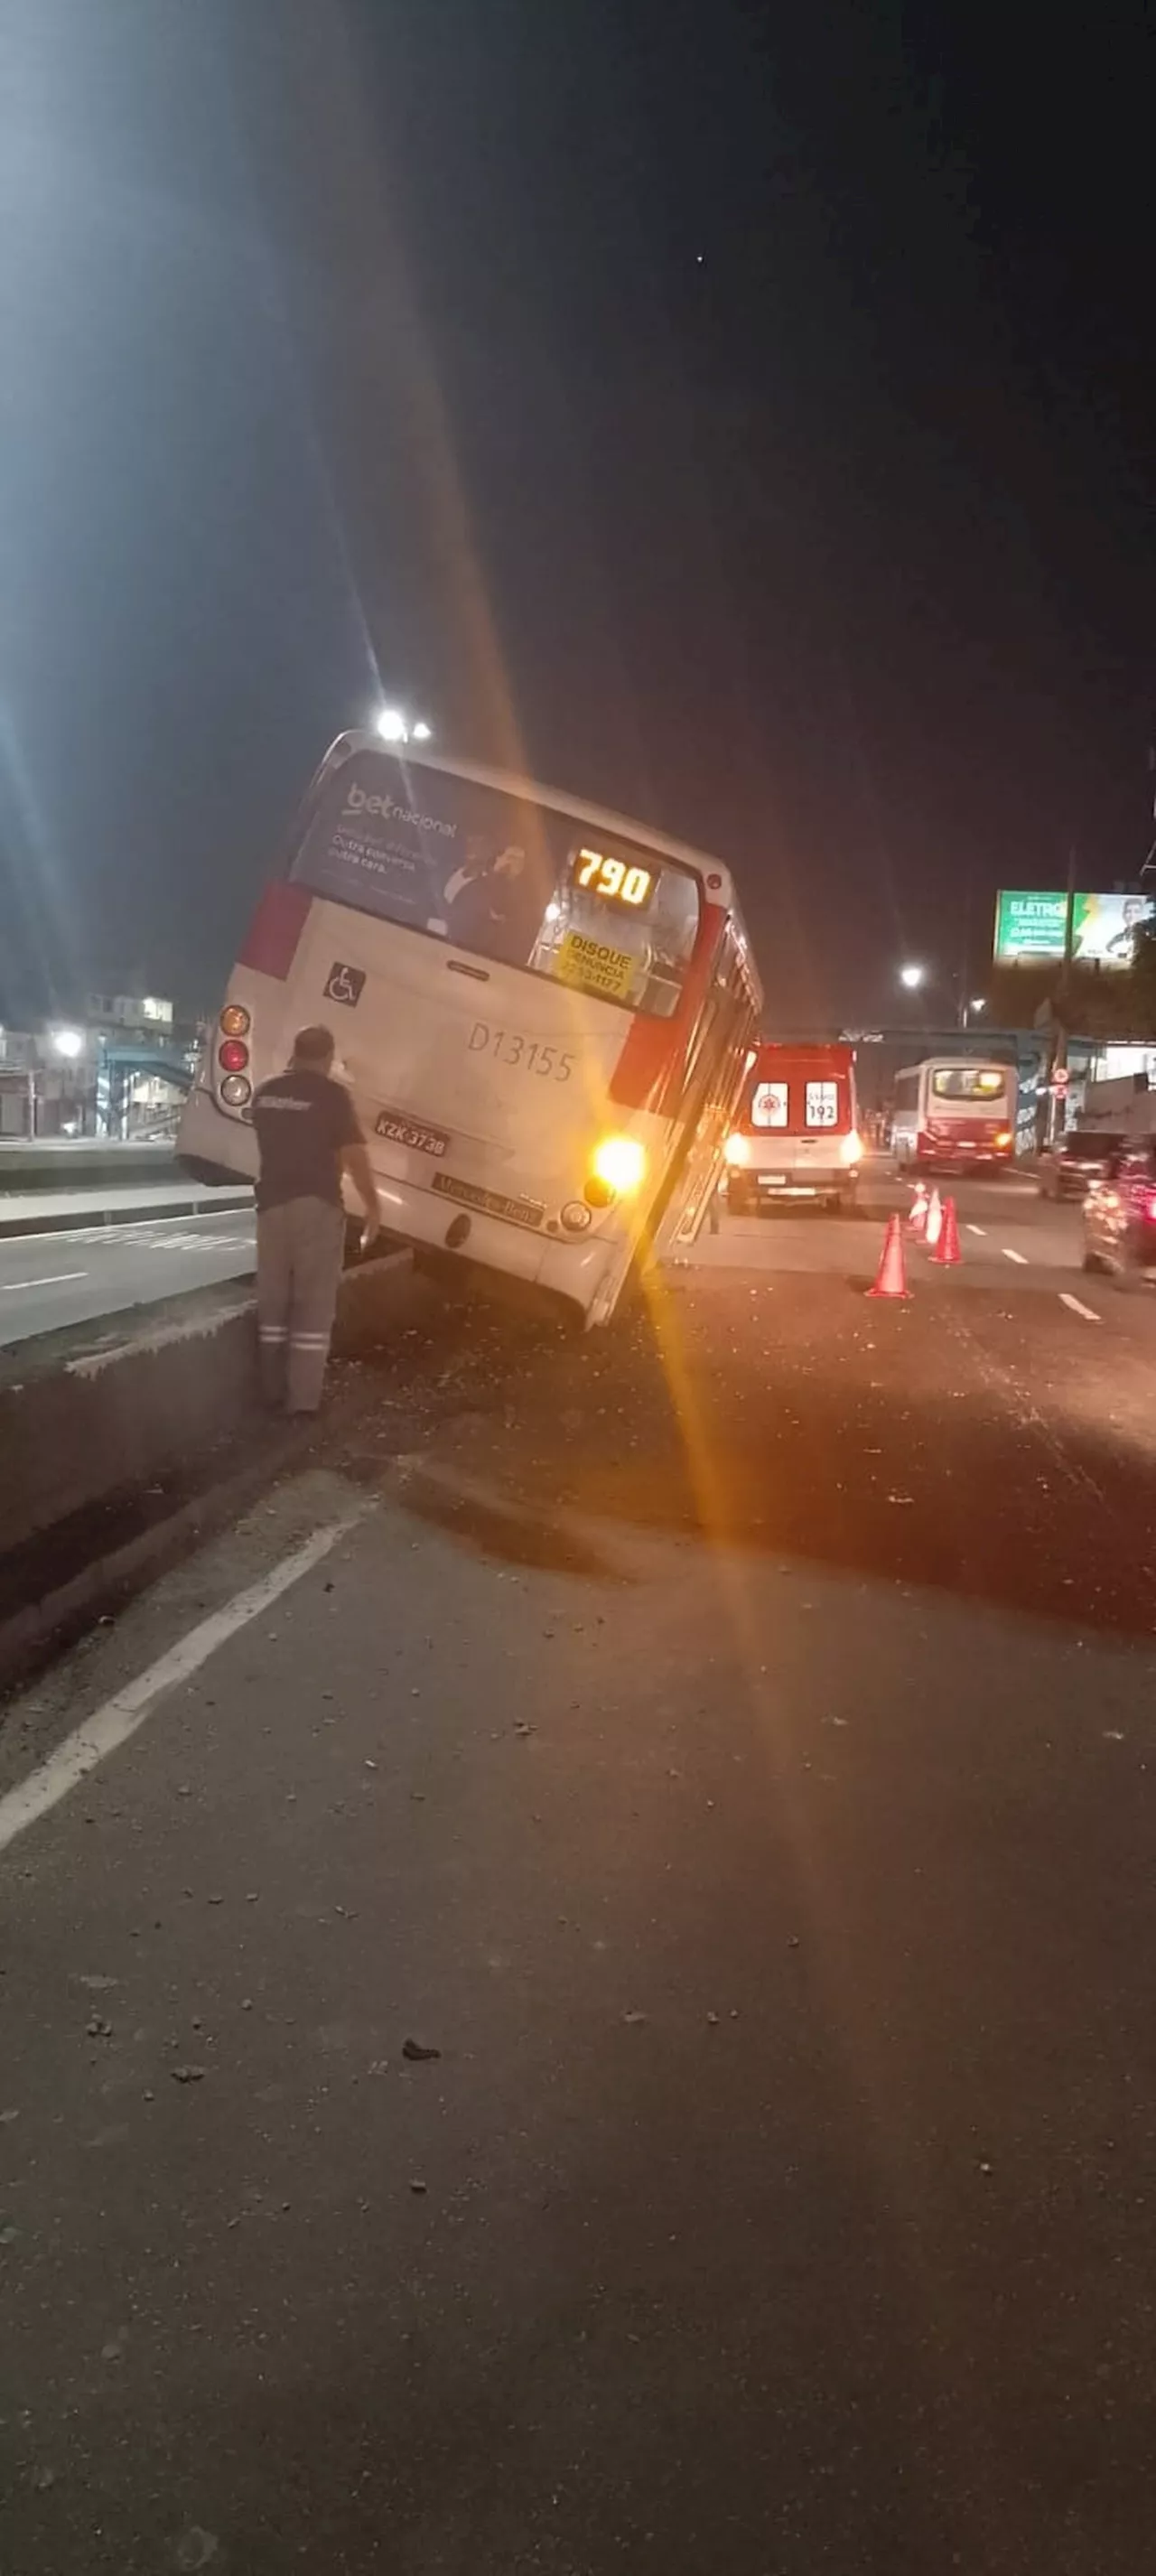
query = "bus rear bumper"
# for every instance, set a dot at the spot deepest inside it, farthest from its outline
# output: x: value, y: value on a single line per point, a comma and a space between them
x: 586, y: 1273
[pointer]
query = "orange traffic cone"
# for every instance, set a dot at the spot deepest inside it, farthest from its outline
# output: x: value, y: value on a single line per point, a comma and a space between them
x: 934, y: 1225
x: 947, y: 1251
x: 917, y: 1218
x: 891, y: 1277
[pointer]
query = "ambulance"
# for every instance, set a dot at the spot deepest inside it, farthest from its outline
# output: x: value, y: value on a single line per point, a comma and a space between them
x: 796, y: 1134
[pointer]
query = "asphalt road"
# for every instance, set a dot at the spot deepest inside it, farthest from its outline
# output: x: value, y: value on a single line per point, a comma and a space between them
x: 1004, y: 1224
x: 731, y: 1743
x: 50, y: 1280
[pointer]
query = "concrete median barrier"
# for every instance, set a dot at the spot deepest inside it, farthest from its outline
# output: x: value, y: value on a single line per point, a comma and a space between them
x: 117, y: 1416
x: 106, y: 1436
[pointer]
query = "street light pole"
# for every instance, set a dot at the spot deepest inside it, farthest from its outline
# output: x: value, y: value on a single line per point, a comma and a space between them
x: 965, y: 953
x: 1061, y: 1013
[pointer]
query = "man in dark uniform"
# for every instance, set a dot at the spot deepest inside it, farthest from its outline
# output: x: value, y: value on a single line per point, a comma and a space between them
x: 307, y: 1138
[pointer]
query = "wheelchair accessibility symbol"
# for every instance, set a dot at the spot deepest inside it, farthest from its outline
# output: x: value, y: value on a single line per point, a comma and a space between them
x: 345, y: 985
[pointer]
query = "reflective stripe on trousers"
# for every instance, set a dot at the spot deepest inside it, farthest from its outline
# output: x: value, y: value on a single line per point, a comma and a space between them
x: 299, y: 1251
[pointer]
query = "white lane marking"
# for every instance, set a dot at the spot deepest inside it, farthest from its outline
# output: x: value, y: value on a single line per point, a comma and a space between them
x: 120, y: 1716
x: 977, y: 1229
x: 179, y: 1234
x: 186, y: 1245
x: 56, y: 1279
x: 1089, y: 1312
x: 1009, y: 1255
x: 82, y: 1233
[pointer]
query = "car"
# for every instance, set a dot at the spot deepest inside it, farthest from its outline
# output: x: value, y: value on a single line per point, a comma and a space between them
x: 1069, y: 1167
x: 1120, y: 1215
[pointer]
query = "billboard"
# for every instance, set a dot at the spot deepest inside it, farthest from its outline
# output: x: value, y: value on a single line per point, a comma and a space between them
x: 1030, y: 928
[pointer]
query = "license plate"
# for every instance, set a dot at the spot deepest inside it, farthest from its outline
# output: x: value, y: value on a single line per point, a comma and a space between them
x: 411, y: 1132
x: 772, y: 1180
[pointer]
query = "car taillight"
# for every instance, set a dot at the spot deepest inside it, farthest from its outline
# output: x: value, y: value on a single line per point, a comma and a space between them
x: 1148, y: 1206
x: 232, y: 1055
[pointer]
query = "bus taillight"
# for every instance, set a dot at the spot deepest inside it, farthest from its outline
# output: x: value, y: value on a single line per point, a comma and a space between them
x: 233, y: 1055
x: 619, y: 1162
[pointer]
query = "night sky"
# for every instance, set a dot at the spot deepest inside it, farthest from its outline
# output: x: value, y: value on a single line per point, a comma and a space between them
x: 740, y: 415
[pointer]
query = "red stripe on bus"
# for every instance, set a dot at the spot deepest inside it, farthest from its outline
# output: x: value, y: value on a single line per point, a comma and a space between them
x: 654, y: 1048
x: 276, y: 927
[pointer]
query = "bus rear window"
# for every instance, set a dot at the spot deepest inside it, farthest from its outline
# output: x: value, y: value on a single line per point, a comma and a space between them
x: 518, y: 883
x: 968, y: 1082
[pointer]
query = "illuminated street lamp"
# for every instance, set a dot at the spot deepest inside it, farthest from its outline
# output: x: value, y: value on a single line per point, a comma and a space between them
x: 393, y: 726
x: 911, y: 977
x: 68, y: 1044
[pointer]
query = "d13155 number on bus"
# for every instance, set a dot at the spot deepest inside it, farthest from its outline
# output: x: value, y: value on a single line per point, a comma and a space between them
x: 508, y: 1046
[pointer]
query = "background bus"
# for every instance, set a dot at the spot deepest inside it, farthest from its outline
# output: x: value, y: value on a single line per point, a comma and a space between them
x: 542, y: 1012
x: 796, y: 1135
x: 954, y: 1114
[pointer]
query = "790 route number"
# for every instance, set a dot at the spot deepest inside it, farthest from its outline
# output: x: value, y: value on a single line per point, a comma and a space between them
x: 507, y: 1046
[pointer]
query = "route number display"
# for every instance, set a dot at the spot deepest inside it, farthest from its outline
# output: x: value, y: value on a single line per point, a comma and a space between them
x: 615, y: 880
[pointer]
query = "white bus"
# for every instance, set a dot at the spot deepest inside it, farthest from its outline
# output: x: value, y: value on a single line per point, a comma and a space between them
x: 954, y: 1114
x: 542, y: 1012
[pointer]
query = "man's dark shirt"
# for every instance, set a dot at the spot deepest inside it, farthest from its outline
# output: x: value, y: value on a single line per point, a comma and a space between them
x: 303, y: 1121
